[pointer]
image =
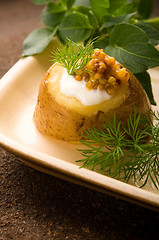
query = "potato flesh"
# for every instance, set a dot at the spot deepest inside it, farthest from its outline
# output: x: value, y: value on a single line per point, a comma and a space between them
x: 73, y: 103
x: 66, y: 117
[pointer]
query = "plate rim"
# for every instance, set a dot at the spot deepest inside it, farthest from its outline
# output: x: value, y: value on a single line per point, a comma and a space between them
x: 135, y: 195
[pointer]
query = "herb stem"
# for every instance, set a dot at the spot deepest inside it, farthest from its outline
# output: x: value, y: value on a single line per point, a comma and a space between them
x: 153, y: 21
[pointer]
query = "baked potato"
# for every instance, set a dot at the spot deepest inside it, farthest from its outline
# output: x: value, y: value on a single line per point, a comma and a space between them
x: 66, y: 117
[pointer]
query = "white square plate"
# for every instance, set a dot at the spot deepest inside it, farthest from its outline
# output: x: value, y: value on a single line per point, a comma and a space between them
x: 18, y: 134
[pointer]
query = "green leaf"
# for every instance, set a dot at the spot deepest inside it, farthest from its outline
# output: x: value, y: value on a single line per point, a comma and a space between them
x: 50, y: 18
x: 144, y: 79
x: 87, y: 11
x: 101, y: 43
x: 145, y: 8
x: 40, y: 2
x: 115, y: 4
x: 64, y: 1
x: 70, y: 3
x: 131, y: 47
x: 76, y: 27
x: 110, y: 21
x: 54, y: 7
x: 99, y: 7
x: 37, y: 41
x: 151, y: 32
x: 126, y: 9
x: 84, y: 3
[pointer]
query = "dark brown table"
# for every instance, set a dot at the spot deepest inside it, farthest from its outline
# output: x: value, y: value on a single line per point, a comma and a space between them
x: 34, y: 205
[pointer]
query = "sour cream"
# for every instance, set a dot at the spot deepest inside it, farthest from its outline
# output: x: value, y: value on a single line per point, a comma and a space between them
x: 73, y: 88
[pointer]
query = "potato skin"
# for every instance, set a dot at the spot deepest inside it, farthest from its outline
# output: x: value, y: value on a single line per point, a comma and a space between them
x: 63, y: 123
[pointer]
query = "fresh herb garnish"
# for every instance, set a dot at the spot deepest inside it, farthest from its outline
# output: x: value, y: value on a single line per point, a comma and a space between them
x: 73, y: 56
x: 125, y: 152
x: 123, y: 28
x: 126, y: 32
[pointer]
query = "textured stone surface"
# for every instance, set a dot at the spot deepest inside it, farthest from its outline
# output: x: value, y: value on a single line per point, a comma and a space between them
x: 34, y: 205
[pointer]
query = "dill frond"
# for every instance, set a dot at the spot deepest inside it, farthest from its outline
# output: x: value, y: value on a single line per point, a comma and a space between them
x: 73, y: 56
x: 125, y: 153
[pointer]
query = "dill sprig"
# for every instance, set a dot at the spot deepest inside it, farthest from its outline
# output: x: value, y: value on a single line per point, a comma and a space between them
x: 125, y: 152
x: 73, y: 56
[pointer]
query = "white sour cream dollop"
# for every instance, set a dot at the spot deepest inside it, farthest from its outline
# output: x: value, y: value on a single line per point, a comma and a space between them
x: 73, y: 88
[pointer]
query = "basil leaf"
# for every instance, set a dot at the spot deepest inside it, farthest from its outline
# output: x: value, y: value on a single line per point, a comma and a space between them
x: 70, y: 3
x: 87, y: 11
x: 64, y: 1
x: 145, y: 8
x: 37, y: 41
x: 84, y: 3
x: 76, y: 27
x: 53, y: 7
x: 145, y: 80
x: 101, y: 43
x: 110, y: 21
x: 115, y: 4
x: 130, y: 46
x: 99, y: 7
x: 126, y: 9
x: 51, y: 19
x: 151, y: 32
x: 39, y: 2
